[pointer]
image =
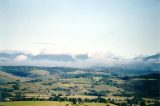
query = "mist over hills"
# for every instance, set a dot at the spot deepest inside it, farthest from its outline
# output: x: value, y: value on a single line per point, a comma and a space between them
x: 151, y: 63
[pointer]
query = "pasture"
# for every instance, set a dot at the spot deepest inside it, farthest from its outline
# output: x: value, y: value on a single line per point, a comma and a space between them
x: 50, y: 103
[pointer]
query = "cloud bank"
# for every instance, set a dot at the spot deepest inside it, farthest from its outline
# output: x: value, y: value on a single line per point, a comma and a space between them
x: 79, y: 60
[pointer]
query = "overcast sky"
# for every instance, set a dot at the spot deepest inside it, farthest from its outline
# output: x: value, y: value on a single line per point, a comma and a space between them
x: 124, y: 27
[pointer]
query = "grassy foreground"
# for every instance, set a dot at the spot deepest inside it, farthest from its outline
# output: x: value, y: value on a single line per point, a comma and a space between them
x: 48, y: 103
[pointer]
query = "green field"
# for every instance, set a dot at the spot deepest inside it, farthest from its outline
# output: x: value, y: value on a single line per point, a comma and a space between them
x: 49, y: 103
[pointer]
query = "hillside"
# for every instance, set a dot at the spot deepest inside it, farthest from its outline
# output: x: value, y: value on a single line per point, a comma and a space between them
x: 61, y: 84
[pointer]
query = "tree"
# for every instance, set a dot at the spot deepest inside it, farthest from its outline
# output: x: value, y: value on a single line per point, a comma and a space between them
x: 19, y: 96
x: 123, y: 104
x: 143, y: 103
x: 74, y: 101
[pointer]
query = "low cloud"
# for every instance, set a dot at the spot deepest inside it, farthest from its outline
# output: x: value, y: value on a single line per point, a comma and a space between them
x: 20, y: 58
x: 79, y: 61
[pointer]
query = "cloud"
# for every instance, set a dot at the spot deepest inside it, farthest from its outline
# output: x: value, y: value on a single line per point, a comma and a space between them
x: 20, y: 58
x: 53, y: 57
x: 44, y: 44
x: 82, y: 56
x: 77, y: 60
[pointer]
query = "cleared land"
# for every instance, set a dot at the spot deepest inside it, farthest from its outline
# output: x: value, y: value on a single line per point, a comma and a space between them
x: 50, y: 103
x: 46, y: 86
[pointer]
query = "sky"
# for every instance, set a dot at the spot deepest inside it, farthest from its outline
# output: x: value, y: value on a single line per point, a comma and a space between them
x: 126, y: 28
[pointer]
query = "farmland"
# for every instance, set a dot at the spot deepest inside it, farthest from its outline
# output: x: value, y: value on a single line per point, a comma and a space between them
x: 39, y: 86
x: 46, y: 103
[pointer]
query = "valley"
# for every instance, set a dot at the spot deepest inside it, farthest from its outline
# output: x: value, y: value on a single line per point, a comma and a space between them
x: 77, y: 86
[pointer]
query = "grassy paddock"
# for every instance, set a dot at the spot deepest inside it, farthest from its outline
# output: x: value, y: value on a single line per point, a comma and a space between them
x: 49, y: 103
x: 35, y: 103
